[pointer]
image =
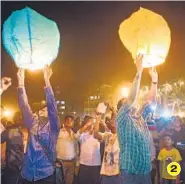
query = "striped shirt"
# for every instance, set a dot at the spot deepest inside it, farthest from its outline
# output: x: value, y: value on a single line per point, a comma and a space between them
x: 134, y: 140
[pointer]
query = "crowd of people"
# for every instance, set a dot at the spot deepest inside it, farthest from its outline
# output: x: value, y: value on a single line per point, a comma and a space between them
x: 124, y: 145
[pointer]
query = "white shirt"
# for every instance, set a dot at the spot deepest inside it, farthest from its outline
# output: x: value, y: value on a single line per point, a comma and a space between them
x: 89, y: 150
x: 110, y: 165
x: 67, y: 145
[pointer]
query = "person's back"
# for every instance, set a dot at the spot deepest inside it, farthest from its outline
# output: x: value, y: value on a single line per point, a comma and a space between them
x: 134, y: 138
x: 13, y: 137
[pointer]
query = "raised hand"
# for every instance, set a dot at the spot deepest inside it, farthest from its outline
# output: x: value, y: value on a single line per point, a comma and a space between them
x: 154, y: 75
x: 5, y: 83
x: 20, y: 77
x: 139, y: 63
x: 47, y: 75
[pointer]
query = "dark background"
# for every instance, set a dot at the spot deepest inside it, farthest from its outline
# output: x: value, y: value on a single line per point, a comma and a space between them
x: 91, y: 52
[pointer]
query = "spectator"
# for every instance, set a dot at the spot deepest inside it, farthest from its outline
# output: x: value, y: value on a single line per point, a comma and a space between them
x: 43, y: 129
x: 13, y: 136
x: 167, y: 155
x: 67, y: 149
x: 110, y: 165
x: 90, y: 158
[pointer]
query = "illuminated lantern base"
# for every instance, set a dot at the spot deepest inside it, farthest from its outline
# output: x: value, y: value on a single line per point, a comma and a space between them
x: 152, y: 60
x: 33, y: 67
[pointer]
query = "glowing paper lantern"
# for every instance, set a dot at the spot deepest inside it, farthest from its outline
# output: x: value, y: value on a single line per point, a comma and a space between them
x: 147, y: 33
x: 31, y: 39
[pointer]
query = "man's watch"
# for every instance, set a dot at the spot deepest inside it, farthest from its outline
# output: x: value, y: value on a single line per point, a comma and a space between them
x: 154, y: 82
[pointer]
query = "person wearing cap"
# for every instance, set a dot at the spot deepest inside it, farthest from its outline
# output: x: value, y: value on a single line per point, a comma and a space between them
x: 133, y: 133
x: 43, y: 128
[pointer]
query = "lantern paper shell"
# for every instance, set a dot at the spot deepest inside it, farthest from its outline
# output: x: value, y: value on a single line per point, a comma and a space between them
x: 147, y: 33
x: 31, y: 39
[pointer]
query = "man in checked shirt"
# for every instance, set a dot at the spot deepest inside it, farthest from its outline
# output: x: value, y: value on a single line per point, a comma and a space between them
x: 43, y: 129
x: 133, y: 133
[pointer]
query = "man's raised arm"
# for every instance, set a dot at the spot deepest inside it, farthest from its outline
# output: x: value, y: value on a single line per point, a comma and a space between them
x: 23, y: 100
x: 153, y: 89
x: 51, y: 103
x: 136, y: 83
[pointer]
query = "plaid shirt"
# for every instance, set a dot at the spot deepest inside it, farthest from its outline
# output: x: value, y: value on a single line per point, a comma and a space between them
x: 134, y: 140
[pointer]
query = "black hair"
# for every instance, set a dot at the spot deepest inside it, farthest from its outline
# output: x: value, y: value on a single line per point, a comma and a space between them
x: 68, y: 116
x: 120, y: 103
x: 167, y: 135
x: 86, y: 119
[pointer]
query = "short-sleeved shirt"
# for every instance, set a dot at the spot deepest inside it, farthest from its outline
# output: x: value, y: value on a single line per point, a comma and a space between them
x: 134, y: 140
x: 110, y: 164
x: 166, y: 157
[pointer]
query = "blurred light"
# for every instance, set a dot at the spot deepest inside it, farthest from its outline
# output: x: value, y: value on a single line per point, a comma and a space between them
x: 153, y: 107
x: 182, y: 114
x: 125, y: 92
x: 91, y: 97
x: 62, y: 102
x: 58, y: 102
x: 43, y: 102
x: 74, y: 112
x: 62, y: 107
x: 8, y: 113
x: 181, y: 83
x: 166, y: 114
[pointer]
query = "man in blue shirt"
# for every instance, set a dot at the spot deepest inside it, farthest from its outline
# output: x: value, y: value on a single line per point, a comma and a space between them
x: 133, y: 133
x: 43, y: 129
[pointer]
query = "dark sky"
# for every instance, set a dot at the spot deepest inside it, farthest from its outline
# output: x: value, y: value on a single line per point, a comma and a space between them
x: 91, y: 52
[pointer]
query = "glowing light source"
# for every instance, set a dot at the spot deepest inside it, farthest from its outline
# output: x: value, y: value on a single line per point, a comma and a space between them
x: 125, y: 92
x: 166, y: 114
x: 8, y: 113
x: 147, y: 33
x: 31, y: 39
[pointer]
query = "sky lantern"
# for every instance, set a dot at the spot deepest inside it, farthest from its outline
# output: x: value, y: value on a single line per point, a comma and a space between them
x: 31, y: 39
x: 147, y: 33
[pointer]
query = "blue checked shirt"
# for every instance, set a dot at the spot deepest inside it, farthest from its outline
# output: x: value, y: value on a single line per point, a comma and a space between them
x: 134, y: 140
x: 36, y: 164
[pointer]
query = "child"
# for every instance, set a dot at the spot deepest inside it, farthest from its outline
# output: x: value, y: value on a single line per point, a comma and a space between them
x: 167, y: 155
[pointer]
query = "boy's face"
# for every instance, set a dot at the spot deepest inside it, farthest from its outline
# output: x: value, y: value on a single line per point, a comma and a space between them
x: 167, y: 141
x: 43, y: 112
x: 69, y: 122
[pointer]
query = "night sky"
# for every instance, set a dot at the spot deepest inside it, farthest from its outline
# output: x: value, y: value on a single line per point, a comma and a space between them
x: 91, y: 52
